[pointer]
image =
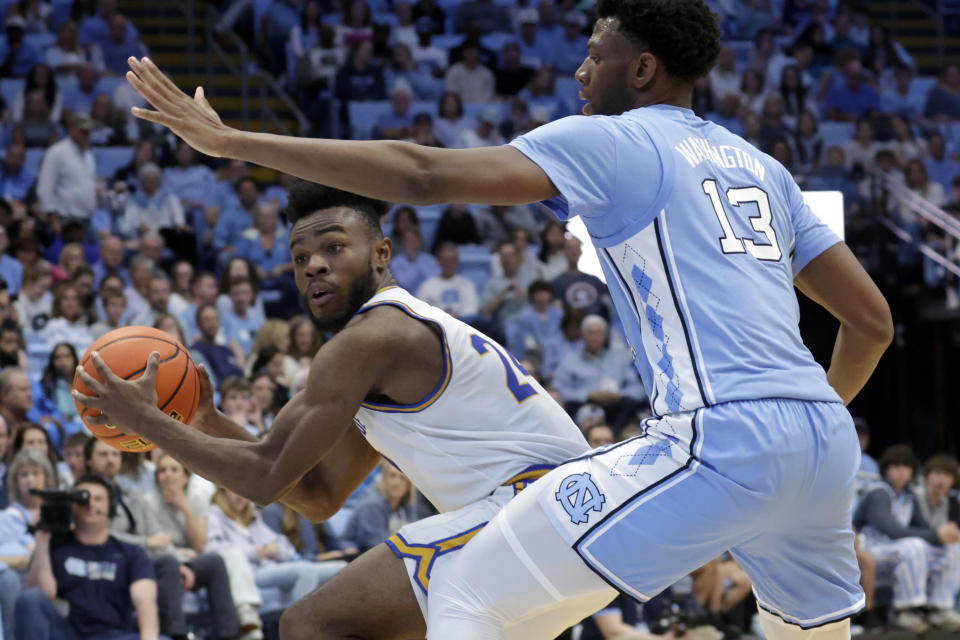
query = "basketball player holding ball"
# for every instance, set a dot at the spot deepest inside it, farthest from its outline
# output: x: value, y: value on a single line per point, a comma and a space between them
x: 441, y: 401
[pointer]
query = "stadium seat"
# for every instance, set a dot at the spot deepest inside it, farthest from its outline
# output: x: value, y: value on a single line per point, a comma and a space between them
x: 475, y: 264
x: 41, y: 41
x: 496, y: 41
x: 364, y: 115
x: 33, y: 159
x: 109, y: 159
x: 476, y: 108
x: 60, y: 12
x: 836, y: 134
x: 447, y: 40
x: 10, y: 88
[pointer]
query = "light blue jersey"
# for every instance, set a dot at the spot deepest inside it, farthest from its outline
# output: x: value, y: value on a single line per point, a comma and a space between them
x: 700, y: 236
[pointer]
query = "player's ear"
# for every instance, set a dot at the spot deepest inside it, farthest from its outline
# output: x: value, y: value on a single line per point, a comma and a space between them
x: 643, y: 70
x: 382, y: 252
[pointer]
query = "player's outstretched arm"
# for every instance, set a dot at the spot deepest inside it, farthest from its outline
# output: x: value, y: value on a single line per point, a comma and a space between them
x: 392, y: 171
x: 341, y: 375
x: 836, y: 281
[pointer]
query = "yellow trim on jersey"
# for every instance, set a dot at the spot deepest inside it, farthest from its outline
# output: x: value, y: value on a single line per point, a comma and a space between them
x: 426, y: 554
x: 520, y: 481
x: 447, y: 364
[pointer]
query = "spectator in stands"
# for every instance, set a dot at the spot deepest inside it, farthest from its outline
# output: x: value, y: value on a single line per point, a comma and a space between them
x: 66, y: 53
x: 456, y: 226
x: 15, y: 179
x: 21, y: 54
x: 104, y: 580
x: 67, y: 320
x: 382, y: 509
x: 71, y: 258
x: 724, y: 77
x: 57, y: 382
x: 903, y: 143
x: 133, y: 523
x: 941, y: 167
x: 35, y: 302
x: 884, y: 53
x: 411, y: 265
x: 158, y: 300
x: 926, y: 560
x: 774, y: 126
x: 96, y: 28
x: 263, y: 401
x: 404, y: 71
x: 504, y: 296
x: 143, y: 153
x: 943, y: 101
x: 862, y: 149
x: 193, y: 183
x: 918, y: 181
x: 238, y: 268
x: 451, y: 121
x: 598, y: 435
x: 111, y: 261
x: 901, y: 99
x: 141, y: 270
x: 395, y: 125
x: 12, y: 346
x: 114, y: 307
x: 421, y: 131
x: 551, y: 259
x: 203, y: 290
x: 151, y: 208
x: 833, y: 174
x: 30, y: 468
x: 356, y: 24
x: 35, y: 129
x: 73, y: 457
x: 511, y: 75
x: 108, y: 123
x: 236, y: 402
x: 852, y: 97
x: 11, y: 271
x: 234, y: 220
x: 796, y: 96
x: 535, y: 325
x: 5, y: 437
x: 938, y: 498
x: 577, y: 289
x: 233, y: 522
x: 240, y: 321
x: 305, y: 340
x: 184, y: 521
x: 266, y: 244
x: 751, y: 89
x: 534, y: 50
x: 16, y: 398
x: 224, y: 361
x: 568, y: 54
x: 728, y: 113
x: 429, y: 17
x: 117, y: 48
x: 67, y: 182
x: 599, y: 375
x: 541, y: 92
x: 36, y: 437
x: 79, y: 99
x: 842, y: 34
x: 486, y: 134
x: 528, y: 256
x: 455, y: 294
x: 360, y: 78
x: 469, y: 79
x: 404, y: 31
x: 404, y: 219
x: 275, y: 333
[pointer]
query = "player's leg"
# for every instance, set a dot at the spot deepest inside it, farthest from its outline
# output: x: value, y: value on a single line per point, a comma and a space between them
x: 370, y: 598
x: 774, y: 628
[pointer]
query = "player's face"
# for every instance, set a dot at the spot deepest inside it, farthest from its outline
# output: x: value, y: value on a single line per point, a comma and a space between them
x: 607, y: 73
x: 336, y: 262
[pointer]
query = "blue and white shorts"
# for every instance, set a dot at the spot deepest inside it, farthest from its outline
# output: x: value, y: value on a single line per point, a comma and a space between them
x: 770, y: 480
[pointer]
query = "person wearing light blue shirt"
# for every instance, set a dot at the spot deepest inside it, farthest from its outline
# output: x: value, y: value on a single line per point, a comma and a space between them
x: 15, y: 178
x: 568, y: 54
x: 10, y: 268
x: 411, y: 265
x: 536, y: 325
x: 233, y: 221
x: 194, y: 183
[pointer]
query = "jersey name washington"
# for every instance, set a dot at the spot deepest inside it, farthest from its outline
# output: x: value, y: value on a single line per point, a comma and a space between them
x: 696, y: 150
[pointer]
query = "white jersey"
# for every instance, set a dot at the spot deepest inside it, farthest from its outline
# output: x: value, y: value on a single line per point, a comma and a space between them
x: 487, y: 423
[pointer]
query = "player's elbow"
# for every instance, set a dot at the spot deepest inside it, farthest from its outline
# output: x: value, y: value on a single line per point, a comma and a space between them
x: 877, y: 324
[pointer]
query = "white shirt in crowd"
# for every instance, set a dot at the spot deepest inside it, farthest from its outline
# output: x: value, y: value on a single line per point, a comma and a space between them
x: 67, y: 183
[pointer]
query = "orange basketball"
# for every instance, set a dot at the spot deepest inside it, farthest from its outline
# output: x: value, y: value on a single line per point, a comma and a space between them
x: 126, y: 351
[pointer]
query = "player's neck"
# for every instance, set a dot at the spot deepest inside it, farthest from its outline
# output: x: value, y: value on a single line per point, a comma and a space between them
x: 667, y: 94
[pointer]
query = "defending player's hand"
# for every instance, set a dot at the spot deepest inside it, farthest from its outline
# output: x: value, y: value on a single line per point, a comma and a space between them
x: 192, y: 119
x: 121, y: 402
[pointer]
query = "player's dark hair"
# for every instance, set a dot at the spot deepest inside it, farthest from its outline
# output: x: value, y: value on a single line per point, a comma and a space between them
x: 682, y: 34
x: 307, y: 198
x: 899, y: 454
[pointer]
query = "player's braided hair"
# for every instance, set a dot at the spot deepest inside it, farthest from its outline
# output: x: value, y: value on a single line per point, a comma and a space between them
x: 682, y: 34
x: 306, y: 198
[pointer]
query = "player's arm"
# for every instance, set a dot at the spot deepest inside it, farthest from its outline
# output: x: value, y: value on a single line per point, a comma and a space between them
x: 836, y: 281
x: 341, y: 375
x: 321, y: 491
x: 143, y: 593
x: 388, y: 170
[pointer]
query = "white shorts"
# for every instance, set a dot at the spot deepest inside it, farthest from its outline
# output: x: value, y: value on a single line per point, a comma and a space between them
x: 425, y: 545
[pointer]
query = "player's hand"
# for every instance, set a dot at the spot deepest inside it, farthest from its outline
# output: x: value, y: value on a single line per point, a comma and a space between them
x: 192, y: 119
x: 122, y: 403
x: 205, y: 406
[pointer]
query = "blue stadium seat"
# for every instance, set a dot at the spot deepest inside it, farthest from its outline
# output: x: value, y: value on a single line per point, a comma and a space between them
x: 332, y: 18
x: 60, y: 13
x: 447, y: 40
x: 496, y: 41
x: 109, y: 159
x: 40, y: 40
x: 429, y: 219
x: 836, y: 134
x: 476, y: 108
x: 389, y: 19
x: 364, y: 115
x: 10, y: 88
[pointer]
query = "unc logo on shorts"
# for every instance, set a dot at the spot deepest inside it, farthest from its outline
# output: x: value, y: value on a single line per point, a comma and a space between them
x: 579, y: 495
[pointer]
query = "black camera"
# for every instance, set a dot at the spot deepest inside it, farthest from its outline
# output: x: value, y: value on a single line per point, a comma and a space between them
x: 55, y: 513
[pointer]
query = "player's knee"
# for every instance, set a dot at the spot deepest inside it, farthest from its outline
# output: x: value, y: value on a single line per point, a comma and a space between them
x: 775, y: 628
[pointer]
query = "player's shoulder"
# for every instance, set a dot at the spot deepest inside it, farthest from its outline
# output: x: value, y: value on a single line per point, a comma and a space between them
x: 387, y: 326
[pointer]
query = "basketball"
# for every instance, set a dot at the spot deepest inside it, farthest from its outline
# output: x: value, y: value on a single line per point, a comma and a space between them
x: 126, y: 351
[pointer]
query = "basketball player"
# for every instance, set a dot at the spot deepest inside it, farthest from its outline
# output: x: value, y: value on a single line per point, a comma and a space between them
x: 702, y: 239
x: 441, y: 401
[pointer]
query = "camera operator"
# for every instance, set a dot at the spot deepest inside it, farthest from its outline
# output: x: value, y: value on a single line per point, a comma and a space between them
x: 103, y: 580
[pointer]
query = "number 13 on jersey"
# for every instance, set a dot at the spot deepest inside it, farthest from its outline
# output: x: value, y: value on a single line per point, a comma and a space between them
x: 520, y: 390
x: 762, y: 224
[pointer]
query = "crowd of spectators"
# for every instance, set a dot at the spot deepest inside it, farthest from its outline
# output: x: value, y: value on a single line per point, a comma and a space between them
x: 163, y: 237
